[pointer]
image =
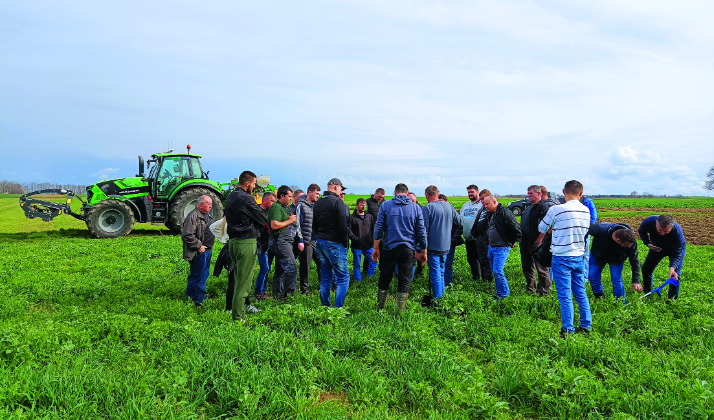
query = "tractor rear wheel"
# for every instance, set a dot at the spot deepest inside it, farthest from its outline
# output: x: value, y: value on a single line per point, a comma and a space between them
x: 110, y: 219
x: 186, y: 201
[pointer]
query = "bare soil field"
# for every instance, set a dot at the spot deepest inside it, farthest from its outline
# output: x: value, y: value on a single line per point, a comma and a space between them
x: 698, y: 229
x: 657, y: 211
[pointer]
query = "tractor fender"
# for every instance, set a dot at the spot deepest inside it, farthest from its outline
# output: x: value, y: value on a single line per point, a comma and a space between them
x: 210, y: 187
x: 132, y: 205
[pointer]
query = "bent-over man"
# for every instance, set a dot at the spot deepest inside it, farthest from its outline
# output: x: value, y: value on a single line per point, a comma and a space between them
x: 664, y: 237
x: 612, y: 243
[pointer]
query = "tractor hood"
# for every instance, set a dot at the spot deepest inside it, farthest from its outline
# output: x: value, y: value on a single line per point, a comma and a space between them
x: 126, y: 187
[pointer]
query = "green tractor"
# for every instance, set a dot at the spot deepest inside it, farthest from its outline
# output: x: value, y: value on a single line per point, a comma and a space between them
x: 166, y: 196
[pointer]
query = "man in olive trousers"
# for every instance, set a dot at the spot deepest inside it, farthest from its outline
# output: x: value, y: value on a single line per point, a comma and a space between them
x: 243, y: 218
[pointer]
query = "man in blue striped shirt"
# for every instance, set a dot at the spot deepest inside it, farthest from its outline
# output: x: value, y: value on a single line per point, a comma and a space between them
x: 569, y: 223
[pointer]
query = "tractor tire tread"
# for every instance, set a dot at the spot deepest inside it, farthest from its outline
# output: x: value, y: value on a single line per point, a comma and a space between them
x: 93, y: 223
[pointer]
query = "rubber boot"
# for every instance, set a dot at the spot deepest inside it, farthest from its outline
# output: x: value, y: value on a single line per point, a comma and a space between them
x: 402, y: 302
x: 381, y: 299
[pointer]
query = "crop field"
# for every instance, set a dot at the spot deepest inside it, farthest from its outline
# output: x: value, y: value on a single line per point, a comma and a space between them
x: 95, y: 329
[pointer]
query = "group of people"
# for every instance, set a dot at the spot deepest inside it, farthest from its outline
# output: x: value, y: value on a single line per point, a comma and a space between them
x: 559, y: 243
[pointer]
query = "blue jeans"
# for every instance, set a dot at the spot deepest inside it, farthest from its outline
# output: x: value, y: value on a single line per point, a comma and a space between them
x: 264, y: 261
x: 569, y: 282
x: 595, y: 277
x: 436, y: 274
x: 449, y: 267
x: 497, y: 260
x: 200, y: 269
x: 357, y: 262
x: 333, y: 257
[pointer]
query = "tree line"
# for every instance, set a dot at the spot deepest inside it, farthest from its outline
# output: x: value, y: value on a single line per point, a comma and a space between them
x: 11, y: 187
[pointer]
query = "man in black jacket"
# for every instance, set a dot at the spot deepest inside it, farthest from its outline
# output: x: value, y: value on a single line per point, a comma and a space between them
x: 530, y: 219
x: 243, y: 217
x: 481, y: 241
x: 329, y: 228
x: 374, y: 202
x: 361, y: 235
x: 612, y: 244
x: 198, y: 242
x: 503, y: 233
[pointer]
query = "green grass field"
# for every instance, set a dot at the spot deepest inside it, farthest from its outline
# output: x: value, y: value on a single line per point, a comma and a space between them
x: 98, y: 329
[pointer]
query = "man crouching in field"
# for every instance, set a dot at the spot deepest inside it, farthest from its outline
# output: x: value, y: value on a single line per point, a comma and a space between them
x: 664, y: 237
x: 613, y: 243
x: 244, y: 217
x: 198, y: 242
x: 570, y: 223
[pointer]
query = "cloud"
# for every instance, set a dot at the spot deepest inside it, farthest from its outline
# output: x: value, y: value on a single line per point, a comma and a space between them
x: 105, y: 173
x: 649, y: 171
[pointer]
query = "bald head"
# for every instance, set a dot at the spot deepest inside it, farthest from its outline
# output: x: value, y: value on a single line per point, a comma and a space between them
x: 491, y: 203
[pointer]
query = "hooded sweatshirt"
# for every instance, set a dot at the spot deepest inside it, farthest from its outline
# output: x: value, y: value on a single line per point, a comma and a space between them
x: 400, y: 222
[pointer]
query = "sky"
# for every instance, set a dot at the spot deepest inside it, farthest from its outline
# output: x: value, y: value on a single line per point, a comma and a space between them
x: 502, y: 94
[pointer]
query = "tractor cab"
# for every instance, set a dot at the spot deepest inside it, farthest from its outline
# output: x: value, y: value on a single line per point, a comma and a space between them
x: 171, y: 170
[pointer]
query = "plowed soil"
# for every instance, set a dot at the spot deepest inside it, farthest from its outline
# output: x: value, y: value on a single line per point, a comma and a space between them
x: 659, y: 211
x: 698, y: 229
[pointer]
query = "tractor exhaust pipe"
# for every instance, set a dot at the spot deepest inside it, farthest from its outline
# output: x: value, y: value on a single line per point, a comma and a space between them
x: 141, y: 167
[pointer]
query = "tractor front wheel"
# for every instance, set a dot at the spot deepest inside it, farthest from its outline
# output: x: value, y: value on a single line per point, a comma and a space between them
x: 186, y: 201
x: 110, y: 219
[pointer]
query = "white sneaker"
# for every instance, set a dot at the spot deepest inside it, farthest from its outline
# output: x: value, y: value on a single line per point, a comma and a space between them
x: 252, y: 308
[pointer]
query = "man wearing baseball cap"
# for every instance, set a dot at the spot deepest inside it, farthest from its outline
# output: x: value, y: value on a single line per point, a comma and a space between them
x: 329, y: 227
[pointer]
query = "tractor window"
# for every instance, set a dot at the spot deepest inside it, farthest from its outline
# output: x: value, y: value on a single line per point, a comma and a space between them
x: 195, y: 168
x: 173, y: 171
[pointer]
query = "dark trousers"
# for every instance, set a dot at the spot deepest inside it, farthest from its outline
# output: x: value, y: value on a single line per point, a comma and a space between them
x: 285, y: 276
x: 537, y: 276
x: 477, y: 257
x: 306, y: 257
x: 653, y: 258
x: 401, y: 257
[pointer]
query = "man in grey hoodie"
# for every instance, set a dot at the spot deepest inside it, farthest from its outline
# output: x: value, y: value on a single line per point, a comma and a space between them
x: 439, y: 217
